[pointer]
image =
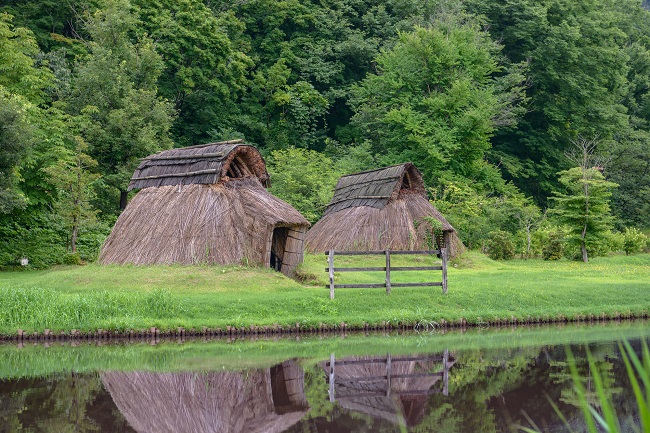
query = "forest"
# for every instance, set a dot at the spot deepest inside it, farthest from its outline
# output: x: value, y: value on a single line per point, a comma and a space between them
x: 529, y: 119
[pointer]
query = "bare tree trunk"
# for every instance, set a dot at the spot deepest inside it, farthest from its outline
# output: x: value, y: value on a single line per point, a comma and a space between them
x: 74, y: 235
x: 583, y: 246
x: 123, y: 197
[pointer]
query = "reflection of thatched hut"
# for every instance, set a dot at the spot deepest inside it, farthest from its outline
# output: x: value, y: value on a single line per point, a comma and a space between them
x: 381, y: 209
x: 268, y: 401
x: 206, y: 204
x: 390, y: 388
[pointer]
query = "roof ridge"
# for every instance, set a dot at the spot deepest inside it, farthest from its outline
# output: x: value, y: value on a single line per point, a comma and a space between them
x: 376, y: 169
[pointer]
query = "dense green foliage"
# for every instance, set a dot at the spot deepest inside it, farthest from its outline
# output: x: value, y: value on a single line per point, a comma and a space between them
x: 485, y: 97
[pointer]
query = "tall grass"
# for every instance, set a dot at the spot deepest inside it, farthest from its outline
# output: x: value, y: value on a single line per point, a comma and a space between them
x: 38, y: 308
x: 604, y: 417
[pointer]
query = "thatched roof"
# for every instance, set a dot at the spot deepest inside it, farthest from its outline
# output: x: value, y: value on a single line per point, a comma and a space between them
x: 375, y: 188
x: 217, y: 402
x: 221, y: 224
x: 379, y: 209
x: 203, y: 164
x: 206, y: 204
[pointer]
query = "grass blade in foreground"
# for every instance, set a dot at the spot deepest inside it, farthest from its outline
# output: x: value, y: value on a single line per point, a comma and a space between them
x: 606, y: 419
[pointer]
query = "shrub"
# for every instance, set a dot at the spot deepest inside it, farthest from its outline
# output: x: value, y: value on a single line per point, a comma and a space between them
x: 499, y: 246
x: 552, y: 248
x: 72, y: 259
x: 634, y: 241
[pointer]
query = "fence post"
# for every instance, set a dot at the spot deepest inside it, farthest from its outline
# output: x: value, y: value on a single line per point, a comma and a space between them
x: 389, y: 369
x: 332, y: 389
x: 445, y: 373
x: 443, y: 254
x: 330, y: 261
x: 388, y: 272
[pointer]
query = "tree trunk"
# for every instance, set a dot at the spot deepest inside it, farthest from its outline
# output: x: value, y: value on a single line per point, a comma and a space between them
x: 583, y: 246
x: 123, y: 197
x: 73, y: 236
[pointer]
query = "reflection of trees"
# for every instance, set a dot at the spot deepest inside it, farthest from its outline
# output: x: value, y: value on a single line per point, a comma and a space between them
x: 62, y: 403
x: 488, y: 390
x: 603, y: 354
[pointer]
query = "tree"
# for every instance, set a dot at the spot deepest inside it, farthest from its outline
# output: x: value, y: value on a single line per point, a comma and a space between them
x: 205, y: 69
x: 15, y: 139
x: 434, y: 100
x: 115, y: 90
x: 22, y: 95
x: 584, y: 207
x: 72, y: 176
x: 304, y: 178
x: 577, y: 67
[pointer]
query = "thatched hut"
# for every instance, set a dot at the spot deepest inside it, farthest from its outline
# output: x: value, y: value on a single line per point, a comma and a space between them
x: 257, y: 401
x: 382, y: 209
x: 206, y: 204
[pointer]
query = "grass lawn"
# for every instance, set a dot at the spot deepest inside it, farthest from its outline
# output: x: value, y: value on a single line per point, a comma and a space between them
x: 480, y: 290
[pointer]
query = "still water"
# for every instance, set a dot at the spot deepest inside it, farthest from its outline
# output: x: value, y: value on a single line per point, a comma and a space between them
x: 485, y: 380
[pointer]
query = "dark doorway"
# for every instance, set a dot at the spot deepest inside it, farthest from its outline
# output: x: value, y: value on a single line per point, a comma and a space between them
x: 278, y: 243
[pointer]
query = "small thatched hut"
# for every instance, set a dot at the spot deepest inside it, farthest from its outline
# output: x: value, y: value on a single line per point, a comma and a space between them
x: 381, y: 209
x: 255, y: 401
x: 206, y: 204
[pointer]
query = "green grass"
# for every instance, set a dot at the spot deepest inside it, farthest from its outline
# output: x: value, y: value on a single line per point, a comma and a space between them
x: 480, y: 291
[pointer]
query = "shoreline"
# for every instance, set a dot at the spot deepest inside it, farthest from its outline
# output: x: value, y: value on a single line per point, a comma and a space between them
x: 232, y: 332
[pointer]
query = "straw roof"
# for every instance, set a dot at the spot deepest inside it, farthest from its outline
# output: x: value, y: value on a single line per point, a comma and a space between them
x: 206, y: 204
x: 218, y: 402
x: 203, y: 164
x: 221, y: 224
x: 379, y: 209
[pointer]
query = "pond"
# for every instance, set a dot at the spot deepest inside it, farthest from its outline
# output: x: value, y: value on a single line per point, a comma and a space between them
x: 481, y: 380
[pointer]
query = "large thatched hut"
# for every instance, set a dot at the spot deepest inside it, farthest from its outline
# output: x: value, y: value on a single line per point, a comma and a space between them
x: 206, y: 204
x: 255, y: 401
x: 382, y: 209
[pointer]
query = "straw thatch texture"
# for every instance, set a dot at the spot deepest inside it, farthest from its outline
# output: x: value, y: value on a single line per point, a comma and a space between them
x: 223, y: 402
x: 226, y: 223
x: 203, y: 164
x: 411, y: 404
x: 378, y: 210
x: 375, y: 188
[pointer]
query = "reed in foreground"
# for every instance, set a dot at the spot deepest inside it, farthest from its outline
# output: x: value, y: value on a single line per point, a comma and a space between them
x: 602, y: 416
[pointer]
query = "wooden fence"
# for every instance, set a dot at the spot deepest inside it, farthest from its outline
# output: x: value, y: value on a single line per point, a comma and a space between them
x: 443, y: 252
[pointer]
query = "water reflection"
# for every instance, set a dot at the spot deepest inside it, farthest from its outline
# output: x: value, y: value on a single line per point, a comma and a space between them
x: 445, y: 391
x: 270, y: 400
x: 394, y: 388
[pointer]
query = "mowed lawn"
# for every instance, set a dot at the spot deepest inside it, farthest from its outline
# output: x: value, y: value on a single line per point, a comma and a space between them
x: 112, y: 297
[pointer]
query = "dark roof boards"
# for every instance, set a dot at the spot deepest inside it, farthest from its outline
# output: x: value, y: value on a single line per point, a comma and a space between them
x: 375, y: 188
x: 203, y: 164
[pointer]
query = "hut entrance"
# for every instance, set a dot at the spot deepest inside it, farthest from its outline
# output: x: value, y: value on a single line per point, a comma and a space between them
x: 278, y: 246
x: 287, y: 388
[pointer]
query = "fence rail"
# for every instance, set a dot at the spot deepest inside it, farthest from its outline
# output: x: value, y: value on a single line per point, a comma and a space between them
x: 443, y: 253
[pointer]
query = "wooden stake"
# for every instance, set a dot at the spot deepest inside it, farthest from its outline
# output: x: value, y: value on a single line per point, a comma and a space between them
x: 330, y: 261
x: 444, y: 270
x: 388, y: 272
x: 332, y: 378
